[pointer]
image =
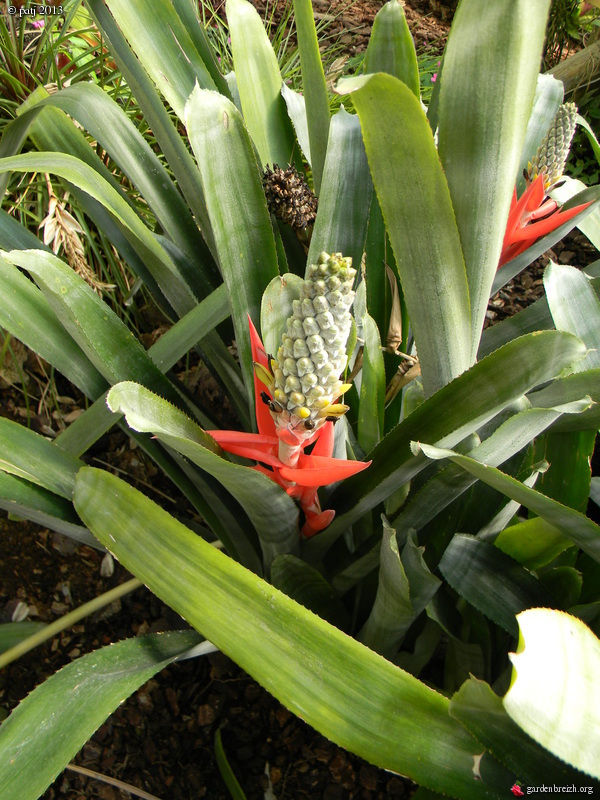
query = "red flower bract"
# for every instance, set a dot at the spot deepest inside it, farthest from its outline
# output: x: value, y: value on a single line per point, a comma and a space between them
x: 311, y: 470
x: 530, y: 217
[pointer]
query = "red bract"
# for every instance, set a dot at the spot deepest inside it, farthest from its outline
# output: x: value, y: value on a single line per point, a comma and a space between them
x: 530, y: 217
x: 302, y: 480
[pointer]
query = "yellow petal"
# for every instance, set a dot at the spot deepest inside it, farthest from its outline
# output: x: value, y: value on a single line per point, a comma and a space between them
x: 263, y: 375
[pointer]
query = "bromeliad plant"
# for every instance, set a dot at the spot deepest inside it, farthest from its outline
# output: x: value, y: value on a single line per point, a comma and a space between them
x: 396, y: 546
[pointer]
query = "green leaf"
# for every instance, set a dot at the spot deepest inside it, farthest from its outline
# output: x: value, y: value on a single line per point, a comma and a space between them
x: 28, y: 501
x: 13, y: 633
x: 372, y: 388
x: 342, y: 216
x: 575, y: 308
x: 564, y: 583
x: 509, y: 509
x: 554, y: 694
x: 307, y: 586
x: 188, y: 13
x: 567, y: 389
x: 276, y: 308
x: 299, y: 658
x: 533, y: 542
x: 480, y: 710
x: 378, y: 254
x: 568, y: 477
x: 391, y: 48
x: 108, y: 124
x: 491, y: 64
x: 451, y: 414
x: 103, y: 337
x: 547, y: 100
x: 237, y: 209
x: 14, y: 236
x: 404, y: 588
x: 415, y: 201
x: 575, y: 526
x: 228, y: 775
x: 296, y: 109
x: 28, y: 316
x: 165, y: 48
x: 53, y: 131
x: 262, y: 499
x: 315, y: 90
x: 30, y: 456
x: 591, y: 136
x: 191, y: 329
x: 259, y: 83
x: 492, y: 581
x: 511, y: 436
x: 73, y: 703
x: 151, y: 104
x: 86, y: 178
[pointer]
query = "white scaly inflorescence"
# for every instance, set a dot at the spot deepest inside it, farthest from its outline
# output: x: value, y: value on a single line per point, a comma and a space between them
x: 305, y: 382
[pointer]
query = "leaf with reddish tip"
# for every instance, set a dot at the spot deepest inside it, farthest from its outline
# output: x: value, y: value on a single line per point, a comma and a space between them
x: 321, y: 471
x: 264, y: 420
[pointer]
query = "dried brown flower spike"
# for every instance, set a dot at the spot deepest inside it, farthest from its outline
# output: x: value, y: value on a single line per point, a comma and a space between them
x: 289, y: 197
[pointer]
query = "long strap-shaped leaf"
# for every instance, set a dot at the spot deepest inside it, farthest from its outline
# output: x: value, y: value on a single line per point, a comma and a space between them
x: 450, y: 415
x: 29, y: 501
x: 156, y: 115
x: 72, y: 704
x: 52, y: 131
x: 507, y: 440
x: 491, y: 65
x: 315, y: 89
x: 34, y: 458
x: 481, y: 711
x: 164, y: 47
x: 346, y: 691
x: 110, y: 126
x: 26, y: 314
x: 341, y: 224
x: 237, y: 209
x: 417, y: 209
x: 575, y: 307
x: 491, y: 581
x: 391, y: 48
x: 102, y: 336
x: 577, y: 527
x: 259, y: 84
x: 86, y: 178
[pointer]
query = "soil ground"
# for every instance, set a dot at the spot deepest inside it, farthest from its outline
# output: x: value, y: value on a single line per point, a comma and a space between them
x: 161, y: 740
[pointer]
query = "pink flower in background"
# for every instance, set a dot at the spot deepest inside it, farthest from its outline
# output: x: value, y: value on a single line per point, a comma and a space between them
x: 38, y: 23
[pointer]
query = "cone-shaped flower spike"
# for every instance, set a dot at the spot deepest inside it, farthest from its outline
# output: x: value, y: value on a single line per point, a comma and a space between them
x: 296, y: 393
x: 534, y: 214
x: 551, y: 156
